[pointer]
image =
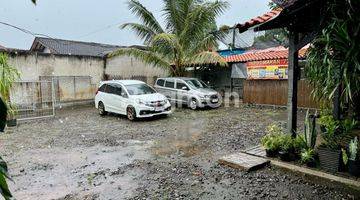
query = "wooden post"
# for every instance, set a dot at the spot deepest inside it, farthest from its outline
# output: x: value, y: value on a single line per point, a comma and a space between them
x: 293, y: 73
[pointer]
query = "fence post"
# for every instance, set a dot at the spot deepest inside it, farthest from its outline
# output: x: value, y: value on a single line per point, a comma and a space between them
x: 53, y: 96
x: 74, y: 88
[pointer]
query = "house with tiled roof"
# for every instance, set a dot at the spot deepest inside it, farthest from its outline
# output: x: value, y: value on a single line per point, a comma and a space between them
x: 255, y: 72
x: 71, y: 47
x: 75, y: 68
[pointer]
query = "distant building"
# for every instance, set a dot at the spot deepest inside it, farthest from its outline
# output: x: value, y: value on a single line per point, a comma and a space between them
x: 71, y: 47
x: 75, y: 67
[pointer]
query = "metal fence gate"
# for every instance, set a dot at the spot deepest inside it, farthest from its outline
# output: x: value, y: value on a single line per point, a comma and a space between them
x: 33, y: 99
x: 71, y: 89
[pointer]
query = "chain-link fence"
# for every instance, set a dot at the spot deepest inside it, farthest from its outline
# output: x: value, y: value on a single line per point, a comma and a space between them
x: 71, y: 90
x: 33, y: 99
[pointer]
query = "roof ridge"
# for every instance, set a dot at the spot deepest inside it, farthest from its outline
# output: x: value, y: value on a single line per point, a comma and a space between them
x: 76, y: 41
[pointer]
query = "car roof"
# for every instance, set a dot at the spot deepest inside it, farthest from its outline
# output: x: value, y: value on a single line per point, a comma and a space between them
x: 181, y: 78
x: 124, y: 82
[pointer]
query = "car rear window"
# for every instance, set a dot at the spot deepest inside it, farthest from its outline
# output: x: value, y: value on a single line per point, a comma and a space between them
x: 160, y: 82
x: 170, y: 83
x: 102, y: 88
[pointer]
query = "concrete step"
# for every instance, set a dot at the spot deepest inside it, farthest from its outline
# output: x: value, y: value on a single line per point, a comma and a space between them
x: 244, y: 161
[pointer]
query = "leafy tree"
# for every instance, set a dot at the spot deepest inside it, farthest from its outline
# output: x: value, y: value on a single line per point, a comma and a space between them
x: 8, y: 75
x: 279, y: 36
x: 334, y: 57
x: 186, y: 38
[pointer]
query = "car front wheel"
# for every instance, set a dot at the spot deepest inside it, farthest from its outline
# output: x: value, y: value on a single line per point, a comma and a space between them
x: 131, y: 113
x: 193, y: 104
x: 101, y: 109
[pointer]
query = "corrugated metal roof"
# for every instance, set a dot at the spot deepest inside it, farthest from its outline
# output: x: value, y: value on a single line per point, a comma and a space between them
x: 70, y: 47
x: 265, y: 54
x: 258, y: 20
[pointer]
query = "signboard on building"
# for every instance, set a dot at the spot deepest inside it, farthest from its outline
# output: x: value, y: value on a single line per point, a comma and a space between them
x: 267, y: 69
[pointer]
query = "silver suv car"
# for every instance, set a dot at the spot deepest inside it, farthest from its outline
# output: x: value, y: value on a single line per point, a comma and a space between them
x: 189, y: 91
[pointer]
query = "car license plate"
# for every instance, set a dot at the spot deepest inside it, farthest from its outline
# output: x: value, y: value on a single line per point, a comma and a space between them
x: 214, y: 100
x: 159, y: 109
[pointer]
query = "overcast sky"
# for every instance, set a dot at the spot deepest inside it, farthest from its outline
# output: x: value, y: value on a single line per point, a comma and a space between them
x: 93, y: 20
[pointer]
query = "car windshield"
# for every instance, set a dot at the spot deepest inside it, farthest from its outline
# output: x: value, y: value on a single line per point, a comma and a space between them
x: 196, y: 83
x: 139, y: 89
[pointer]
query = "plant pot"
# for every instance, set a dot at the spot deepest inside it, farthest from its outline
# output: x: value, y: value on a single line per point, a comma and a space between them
x: 271, y: 153
x: 311, y: 164
x: 286, y: 156
x: 329, y: 159
x: 11, y: 122
x: 354, y: 168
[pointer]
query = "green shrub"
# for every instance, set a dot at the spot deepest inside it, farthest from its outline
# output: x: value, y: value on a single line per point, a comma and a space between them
x: 349, y: 125
x: 353, y: 149
x: 307, y: 155
x: 272, y: 139
x: 300, y: 143
x: 286, y: 142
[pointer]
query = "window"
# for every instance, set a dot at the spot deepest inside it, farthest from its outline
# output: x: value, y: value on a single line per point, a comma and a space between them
x: 160, y: 82
x: 102, y: 88
x: 117, y: 89
x: 110, y: 89
x: 180, y: 85
x: 139, y: 89
x: 170, y: 84
x: 196, y: 83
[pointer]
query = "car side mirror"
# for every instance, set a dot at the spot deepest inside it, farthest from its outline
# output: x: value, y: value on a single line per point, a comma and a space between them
x: 123, y: 94
x: 185, y: 88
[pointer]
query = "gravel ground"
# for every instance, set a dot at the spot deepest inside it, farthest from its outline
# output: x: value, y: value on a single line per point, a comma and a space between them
x: 80, y: 155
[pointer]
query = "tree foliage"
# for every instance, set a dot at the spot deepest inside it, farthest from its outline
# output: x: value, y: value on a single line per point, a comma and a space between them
x: 333, y: 59
x: 186, y: 38
x: 8, y: 75
x: 4, y: 188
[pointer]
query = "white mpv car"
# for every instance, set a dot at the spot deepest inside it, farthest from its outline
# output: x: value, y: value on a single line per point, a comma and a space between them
x: 135, y: 99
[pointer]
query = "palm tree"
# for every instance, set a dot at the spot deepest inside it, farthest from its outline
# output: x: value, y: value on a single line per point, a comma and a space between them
x: 186, y: 38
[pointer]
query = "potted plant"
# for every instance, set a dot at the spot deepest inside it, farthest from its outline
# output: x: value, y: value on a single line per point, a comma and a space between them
x: 286, y: 152
x: 299, y: 144
x: 271, y: 141
x: 353, y: 162
x: 330, y: 152
x: 308, y: 157
x: 8, y: 75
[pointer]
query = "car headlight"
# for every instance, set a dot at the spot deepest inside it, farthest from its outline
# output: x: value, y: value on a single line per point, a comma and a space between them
x: 141, y: 102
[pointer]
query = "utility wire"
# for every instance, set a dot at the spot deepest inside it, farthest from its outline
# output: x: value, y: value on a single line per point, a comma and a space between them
x: 99, y: 30
x: 25, y: 30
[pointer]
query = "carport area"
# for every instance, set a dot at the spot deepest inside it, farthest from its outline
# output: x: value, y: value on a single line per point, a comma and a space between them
x: 80, y: 155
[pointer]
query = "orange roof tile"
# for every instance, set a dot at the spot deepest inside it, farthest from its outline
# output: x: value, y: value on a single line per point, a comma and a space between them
x: 265, y: 54
x: 258, y: 20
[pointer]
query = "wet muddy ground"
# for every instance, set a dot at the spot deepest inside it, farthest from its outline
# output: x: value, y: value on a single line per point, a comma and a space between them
x: 80, y: 155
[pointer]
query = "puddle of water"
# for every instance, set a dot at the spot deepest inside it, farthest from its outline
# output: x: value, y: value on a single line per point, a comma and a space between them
x: 184, y: 141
